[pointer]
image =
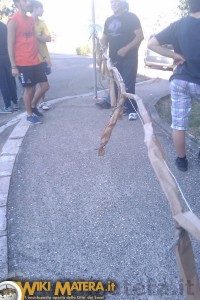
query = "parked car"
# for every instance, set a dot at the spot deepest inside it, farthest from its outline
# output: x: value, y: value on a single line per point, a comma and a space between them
x: 155, y: 60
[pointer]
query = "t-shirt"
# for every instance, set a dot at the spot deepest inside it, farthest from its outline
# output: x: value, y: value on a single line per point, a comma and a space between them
x: 184, y: 35
x: 26, y: 49
x: 40, y: 29
x: 3, y: 41
x: 120, y: 32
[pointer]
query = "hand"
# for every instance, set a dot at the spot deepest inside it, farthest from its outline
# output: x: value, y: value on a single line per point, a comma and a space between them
x: 44, y: 38
x: 48, y: 62
x: 122, y: 52
x: 178, y: 59
x: 15, y: 72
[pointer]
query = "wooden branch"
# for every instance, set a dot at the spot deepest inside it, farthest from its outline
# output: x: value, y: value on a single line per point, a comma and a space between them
x: 189, y: 221
x: 187, y: 268
x: 186, y: 220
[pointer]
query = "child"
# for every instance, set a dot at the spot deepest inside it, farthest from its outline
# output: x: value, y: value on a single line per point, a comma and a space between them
x: 24, y: 58
x: 43, y: 36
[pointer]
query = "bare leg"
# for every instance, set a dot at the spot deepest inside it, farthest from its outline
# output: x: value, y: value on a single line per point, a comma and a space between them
x: 44, y: 86
x: 27, y: 98
x: 179, y: 142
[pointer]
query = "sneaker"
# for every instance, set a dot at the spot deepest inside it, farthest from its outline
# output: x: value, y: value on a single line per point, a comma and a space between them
x: 44, y: 106
x: 33, y: 119
x: 103, y: 104
x: 36, y: 112
x: 15, y: 106
x: 6, y: 110
x: 182, y: 164
x: 132, y: 116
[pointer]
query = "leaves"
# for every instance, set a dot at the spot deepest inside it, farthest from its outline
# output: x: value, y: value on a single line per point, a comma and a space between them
x: 184, y: 7
x: 6, y: 9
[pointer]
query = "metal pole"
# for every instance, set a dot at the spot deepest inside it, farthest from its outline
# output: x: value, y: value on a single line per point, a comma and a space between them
x: 94, y: 50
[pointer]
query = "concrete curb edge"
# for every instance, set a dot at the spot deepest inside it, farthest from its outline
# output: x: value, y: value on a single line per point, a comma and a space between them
x: 7, y: 160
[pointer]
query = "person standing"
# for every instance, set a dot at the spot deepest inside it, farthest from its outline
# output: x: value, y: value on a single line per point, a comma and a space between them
x: 7, y: 81
x: 43, y: 36
x: 185, y: 81
x: 23, y: 53
x: 123, y: 34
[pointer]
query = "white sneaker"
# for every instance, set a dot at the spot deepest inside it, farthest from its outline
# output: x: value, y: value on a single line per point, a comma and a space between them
x: 44, y: 106
x: 132, y: 116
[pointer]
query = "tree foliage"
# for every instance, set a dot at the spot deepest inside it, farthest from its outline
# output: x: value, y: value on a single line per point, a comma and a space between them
x: 6, y: 9
x: 183, y: 6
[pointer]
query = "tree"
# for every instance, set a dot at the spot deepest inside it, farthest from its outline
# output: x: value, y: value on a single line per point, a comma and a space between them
x: 183, y: 6
x: 6, y: 9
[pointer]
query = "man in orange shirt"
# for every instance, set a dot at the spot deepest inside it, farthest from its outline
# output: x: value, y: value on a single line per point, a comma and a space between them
x: 23, y: 53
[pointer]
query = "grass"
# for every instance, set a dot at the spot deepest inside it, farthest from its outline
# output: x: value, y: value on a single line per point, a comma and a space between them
x: 163, y: 108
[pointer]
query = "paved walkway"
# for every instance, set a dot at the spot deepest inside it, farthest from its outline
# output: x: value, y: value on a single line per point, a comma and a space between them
x: 72, y: 214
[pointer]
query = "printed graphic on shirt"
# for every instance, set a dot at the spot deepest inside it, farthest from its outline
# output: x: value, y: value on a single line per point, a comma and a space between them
x: 29, y: 34
x: 114, y: 26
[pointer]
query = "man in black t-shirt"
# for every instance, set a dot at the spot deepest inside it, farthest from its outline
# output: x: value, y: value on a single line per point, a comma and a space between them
x: 123, y: 34
x: 184, y: 35
x: 7, y: 81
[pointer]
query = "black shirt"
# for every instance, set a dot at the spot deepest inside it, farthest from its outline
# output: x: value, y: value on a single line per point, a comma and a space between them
x: 120, y: 32
x: 184, y: 35
x: 3, y: 41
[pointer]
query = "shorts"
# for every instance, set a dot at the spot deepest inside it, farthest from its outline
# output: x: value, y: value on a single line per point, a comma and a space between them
x: 31, y: 75
x: 182, y: 93
x: 47, y: 69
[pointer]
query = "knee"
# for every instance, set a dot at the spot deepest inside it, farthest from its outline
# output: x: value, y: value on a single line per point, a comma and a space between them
x: 29, y: 91
x: 45, y: 87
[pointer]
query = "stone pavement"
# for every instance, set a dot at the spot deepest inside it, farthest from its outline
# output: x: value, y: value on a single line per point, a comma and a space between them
x: 72, y: 214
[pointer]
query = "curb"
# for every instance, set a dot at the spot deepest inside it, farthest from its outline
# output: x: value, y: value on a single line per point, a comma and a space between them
x: 7, y: 160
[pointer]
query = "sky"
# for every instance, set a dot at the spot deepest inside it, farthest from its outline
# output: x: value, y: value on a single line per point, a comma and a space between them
x: 70, y: 19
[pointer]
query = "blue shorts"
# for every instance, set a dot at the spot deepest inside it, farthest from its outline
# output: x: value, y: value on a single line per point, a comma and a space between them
x: 31, y: 75
x: 182, y: 93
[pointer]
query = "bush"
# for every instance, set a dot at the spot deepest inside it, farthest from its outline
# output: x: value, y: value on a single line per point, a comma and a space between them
x: 83, y: 50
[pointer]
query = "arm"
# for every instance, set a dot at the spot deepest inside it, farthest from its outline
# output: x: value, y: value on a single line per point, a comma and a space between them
x: 11, y: 46
x: 133, y: 44
x: 104, y: 41
x: 41, y: 52
x: 155, y: 46
x: 44, y: 38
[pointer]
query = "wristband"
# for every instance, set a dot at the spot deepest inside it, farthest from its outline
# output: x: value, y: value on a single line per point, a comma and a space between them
x: 14, y: 67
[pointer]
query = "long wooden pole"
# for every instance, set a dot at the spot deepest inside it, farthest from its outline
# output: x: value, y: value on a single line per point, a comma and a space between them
x: 186, y: 220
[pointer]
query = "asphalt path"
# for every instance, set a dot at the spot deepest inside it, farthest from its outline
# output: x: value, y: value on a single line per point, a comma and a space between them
x: 74, y: 215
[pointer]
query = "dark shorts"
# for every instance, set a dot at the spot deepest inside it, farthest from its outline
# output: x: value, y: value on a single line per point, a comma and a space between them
x: 47, y: 69
x: 31, y: 75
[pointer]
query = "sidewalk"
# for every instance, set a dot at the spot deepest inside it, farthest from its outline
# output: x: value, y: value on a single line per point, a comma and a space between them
x: 72, y: 214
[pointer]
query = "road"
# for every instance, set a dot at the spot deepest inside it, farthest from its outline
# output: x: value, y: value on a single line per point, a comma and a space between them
x: 72, y: 75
